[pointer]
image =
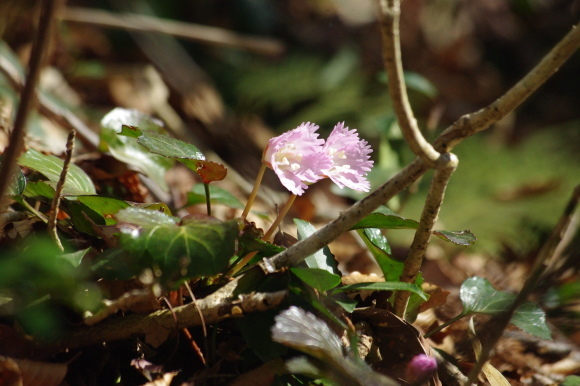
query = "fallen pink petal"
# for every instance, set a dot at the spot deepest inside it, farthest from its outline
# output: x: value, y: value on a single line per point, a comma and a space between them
x: 297, y: 157
x: 350, y: 158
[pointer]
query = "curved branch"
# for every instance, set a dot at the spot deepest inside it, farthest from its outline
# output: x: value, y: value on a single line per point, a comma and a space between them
x: 429, y: 216
x: 212, y: 309
x: 389, y: 14
x: 453, y: 135
x: 473, y: 123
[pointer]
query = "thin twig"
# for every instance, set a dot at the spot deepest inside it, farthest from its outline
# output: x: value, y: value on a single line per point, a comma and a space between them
x: 495, y: 327
x: 389, y: 15
x: 430, y: 213
x: 54, y: 205
x: 464, y: 127
x: 27, y: 98
x: 196, y: 32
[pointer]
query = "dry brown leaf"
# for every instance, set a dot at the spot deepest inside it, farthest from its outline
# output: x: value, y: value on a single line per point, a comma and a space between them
x: 437, y: 297
x: 32, y: 373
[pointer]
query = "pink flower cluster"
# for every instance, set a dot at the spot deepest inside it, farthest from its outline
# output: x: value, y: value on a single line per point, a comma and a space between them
x: 299, y: 158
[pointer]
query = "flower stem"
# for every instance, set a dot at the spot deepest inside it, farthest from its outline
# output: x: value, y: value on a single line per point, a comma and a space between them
x: 280, y: 217
x: 207, y: 198
x: 266, y: 237
x: 254, y: 191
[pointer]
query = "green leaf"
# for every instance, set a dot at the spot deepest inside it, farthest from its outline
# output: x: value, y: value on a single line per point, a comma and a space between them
x: 377, y: 244
x: 144, y: 217
x: 385, y: 218
x: 192, y: 249
x: 478, y: 296
x: 317, y: 278
x: 465, y: 238
x: 75, y: 258
x: 104, y: 206
x: 572, y: 380
x: 217, y: 196
x: 383, y: 286
x: 184, y: 152
x: 127, y: 149
x: 323, y: 259
x: 77, y: 181
x: 78, y: 213
x: 39, y: 189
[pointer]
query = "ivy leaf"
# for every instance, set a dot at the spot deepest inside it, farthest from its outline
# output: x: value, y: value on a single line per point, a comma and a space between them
x: 479, y: 297
x: 385, y: 218
x: 77, y: 181
x: 317, y: 278
x: 322, y: 259
x: 193, y: 248
x: 126, y: 149
x: 184, y: 152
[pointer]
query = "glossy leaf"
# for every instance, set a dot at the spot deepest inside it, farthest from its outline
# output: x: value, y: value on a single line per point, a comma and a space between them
x: 317, y: 278
x: 385, y: 218
x: 126, y: 149
x: 182, y: 151
x: 193, y: 249
x: 77, y: 181
x: 322, y: 259
x: 217, y: 196
x: 105, y: 206
x: 378, y: 246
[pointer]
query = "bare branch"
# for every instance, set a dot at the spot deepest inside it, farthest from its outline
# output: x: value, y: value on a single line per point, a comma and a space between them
x: 464, y: 127
x: 430, y: 213
x: 215, y: 307
x: 473, y: 123
x: 27, y: 98
x: 200, y: 33
x: 70, y: 144
x: 389, y: 14
x: 494, y: 329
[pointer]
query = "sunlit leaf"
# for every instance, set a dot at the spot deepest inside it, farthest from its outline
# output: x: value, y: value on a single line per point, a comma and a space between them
x: 182, y: 151
x: 39, y: 189
x: 105, y: 206
x: 317, y: 278
x: 323, y: 259
x: 77, y: 181
x: 127, y: 149
x: 385, y: 218
x: 378, y: 246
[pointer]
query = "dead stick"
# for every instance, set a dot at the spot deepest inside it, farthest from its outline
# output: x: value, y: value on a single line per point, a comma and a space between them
x: 27, y: 98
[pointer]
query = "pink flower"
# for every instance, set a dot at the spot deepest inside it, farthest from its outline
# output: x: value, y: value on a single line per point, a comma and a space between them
x: 420, y: 368
x: 350, y: 158
x: 297, y: 157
